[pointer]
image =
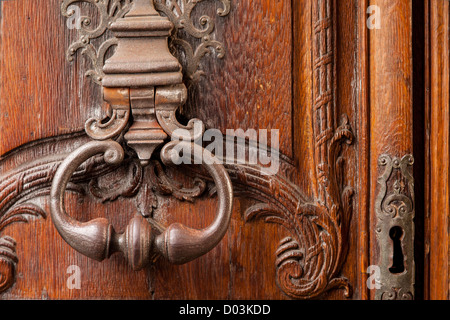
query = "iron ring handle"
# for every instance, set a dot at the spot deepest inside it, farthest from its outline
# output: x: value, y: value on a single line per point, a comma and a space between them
x: 97, y: 238
x: 178, y: 243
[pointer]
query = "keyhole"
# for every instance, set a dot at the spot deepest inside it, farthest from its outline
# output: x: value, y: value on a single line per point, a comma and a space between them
x: 398, y: 266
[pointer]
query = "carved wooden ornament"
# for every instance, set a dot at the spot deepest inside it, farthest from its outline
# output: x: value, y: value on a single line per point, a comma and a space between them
x: 144, y: 92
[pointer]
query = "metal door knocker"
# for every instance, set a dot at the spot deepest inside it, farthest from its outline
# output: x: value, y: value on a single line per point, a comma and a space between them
x: 143, y: 84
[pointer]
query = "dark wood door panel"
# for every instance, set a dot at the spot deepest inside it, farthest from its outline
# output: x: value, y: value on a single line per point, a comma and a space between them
x: 241, y: 266
x: 294, y: 66
x: 252, y: 87
x: 42, y: 95
x: 45, y: 95
x: 49, y: 97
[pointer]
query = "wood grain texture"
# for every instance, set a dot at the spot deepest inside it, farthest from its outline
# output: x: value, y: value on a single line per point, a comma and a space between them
x: 303, y: 146
x: 363, y: 147
x: 49, y: 96
x: 438, y: 181
x: 420, y: 122
x: 42, y: 95
x: 243, y: 89
x: 325, y: 83
x: 390, y: 95
x: 44, y: 258
x: 267, y: 80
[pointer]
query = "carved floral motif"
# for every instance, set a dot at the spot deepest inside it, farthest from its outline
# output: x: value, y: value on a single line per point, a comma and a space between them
x: 308, y: 262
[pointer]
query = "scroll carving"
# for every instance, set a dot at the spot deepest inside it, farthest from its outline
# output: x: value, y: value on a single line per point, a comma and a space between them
x: 8, y: 261
x: 17, y: 190
x: 308, y: 262
x: 20, y: 187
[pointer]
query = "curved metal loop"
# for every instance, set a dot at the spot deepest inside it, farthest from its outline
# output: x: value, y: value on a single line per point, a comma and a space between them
x: 97, y: 238
x: 92, y: 238
x: 178, y: 243
x: 119, y: 100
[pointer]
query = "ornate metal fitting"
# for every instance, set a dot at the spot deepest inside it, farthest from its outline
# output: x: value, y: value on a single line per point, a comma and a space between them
x: 177, y: 11
x: 308, y: 262
x: 141, y: 64
x: 142, y: 82
x: 394, y: 208
x: 142, y: 79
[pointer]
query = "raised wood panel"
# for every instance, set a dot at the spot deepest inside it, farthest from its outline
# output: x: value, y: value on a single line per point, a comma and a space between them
x: 37, y: 78
x: 48, y: 96
x: 296, y: 66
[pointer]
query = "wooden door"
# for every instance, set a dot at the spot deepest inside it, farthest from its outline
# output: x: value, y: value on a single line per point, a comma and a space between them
x: 353, y: 96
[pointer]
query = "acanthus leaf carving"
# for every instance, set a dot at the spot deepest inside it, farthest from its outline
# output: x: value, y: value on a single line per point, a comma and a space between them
x: 8, y: 257
x: 8, y: 261
x: 21, y: 213
x: 18, y: 188
x: 167, y: 186
x: 124, y: 184
x: 308, y: 262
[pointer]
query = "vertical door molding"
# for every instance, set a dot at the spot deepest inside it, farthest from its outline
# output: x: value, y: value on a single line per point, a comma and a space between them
x: 362, y: 115
x: 437, y: 183
x: 391, y: 133
x: 309, y: 261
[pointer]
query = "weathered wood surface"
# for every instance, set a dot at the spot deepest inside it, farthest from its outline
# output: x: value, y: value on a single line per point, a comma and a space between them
x: 270, y: 78
x: 43, y: 95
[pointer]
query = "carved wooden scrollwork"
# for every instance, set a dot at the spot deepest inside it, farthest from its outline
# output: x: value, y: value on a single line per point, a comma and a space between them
x: 19, y: 188
x: 308, y: 262
x: 17, y: 191
x: 8, y: 261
